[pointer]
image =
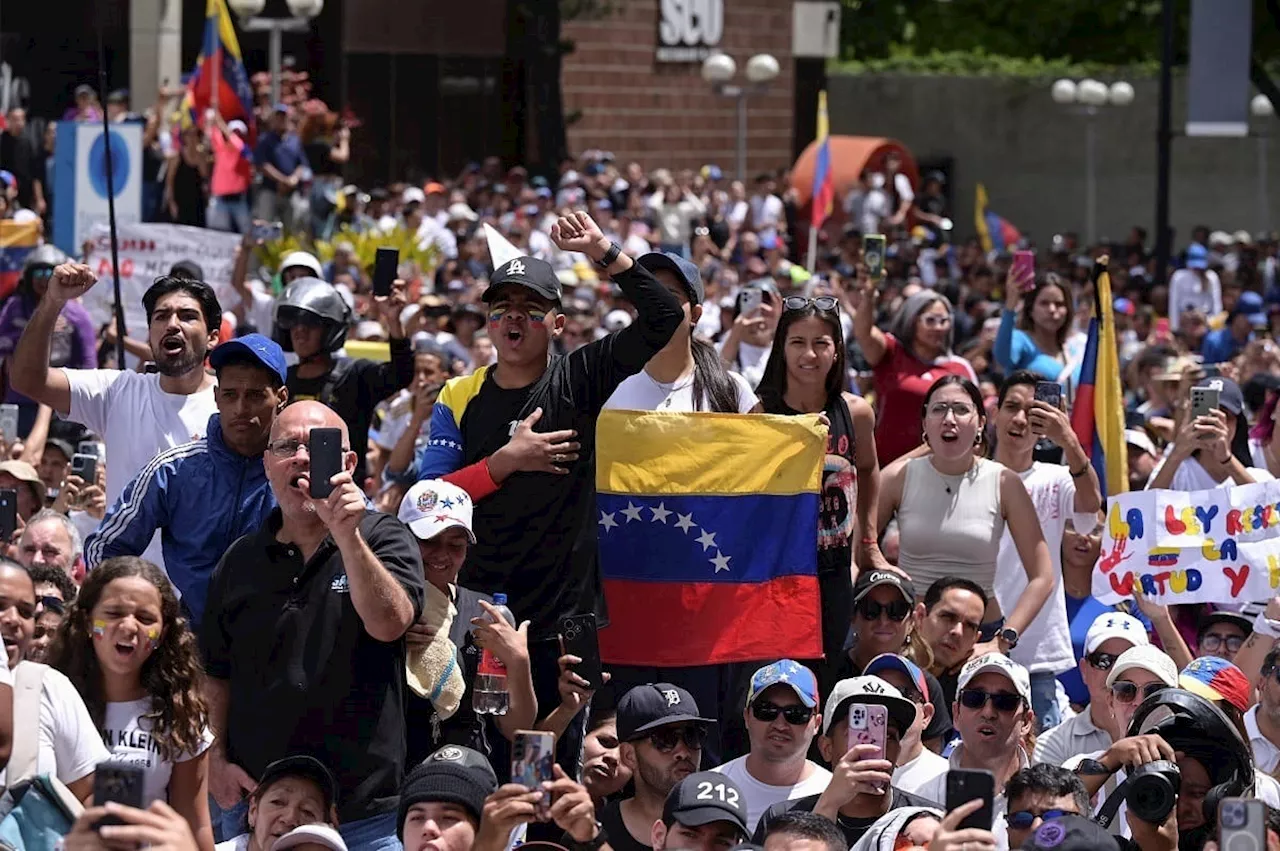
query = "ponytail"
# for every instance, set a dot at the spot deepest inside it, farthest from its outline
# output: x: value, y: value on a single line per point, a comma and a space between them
x: 711, y: 380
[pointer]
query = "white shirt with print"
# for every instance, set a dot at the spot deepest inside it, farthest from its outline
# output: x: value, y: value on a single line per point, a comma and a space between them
x: 126, y: 733
x: 762, y: 796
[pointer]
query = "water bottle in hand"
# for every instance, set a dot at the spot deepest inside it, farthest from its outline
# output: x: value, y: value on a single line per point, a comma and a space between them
x: 490, y: 695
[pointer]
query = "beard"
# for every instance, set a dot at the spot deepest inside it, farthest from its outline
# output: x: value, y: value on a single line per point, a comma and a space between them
x: 179, y: 363
x: 664, y: 780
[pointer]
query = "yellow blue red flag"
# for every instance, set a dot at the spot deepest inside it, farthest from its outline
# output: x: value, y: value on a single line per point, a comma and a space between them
x: 1097, y: 415
x: 824, y: 187
x: 219, y: 65
x: 996, y: 233
x: 17, y: 239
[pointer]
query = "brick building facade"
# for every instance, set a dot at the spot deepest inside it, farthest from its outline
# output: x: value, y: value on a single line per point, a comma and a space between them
x: 664, y: 113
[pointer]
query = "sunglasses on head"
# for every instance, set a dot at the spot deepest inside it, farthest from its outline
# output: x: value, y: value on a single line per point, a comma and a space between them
x: 1125, y: 691
x: 896, y: 611
x: 976, y: 698
x: 1102, y: 661
x: 799, y: 302
x: 665, y: 740
x: 796, y: 713
x: 1213, y: 642
x: 1023, y: 819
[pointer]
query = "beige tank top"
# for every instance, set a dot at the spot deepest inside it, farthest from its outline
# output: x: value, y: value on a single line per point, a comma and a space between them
x: 950, y: 525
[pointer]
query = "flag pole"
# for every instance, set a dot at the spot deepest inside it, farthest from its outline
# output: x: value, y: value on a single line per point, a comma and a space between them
x: 121, y: 330
x: 813, y: 248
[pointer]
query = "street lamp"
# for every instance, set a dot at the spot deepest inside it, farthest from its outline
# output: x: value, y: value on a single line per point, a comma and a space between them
x: 718, y: 69
x: 1261, y: 107
x: 302, y: 10
x: 1090, y: 96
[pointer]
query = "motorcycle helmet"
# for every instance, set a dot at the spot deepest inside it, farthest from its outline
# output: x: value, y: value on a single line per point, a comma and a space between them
x: 46, y: 255
x: 311, y: 300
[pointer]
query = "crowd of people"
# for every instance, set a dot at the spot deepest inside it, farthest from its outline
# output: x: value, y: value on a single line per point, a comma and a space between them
x: 300, y: 663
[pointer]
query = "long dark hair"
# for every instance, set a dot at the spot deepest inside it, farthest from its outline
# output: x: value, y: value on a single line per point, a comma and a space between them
x: 1026, y: 323
x: 171, y: 675
x: 711, y: 379
x: 773, y: 383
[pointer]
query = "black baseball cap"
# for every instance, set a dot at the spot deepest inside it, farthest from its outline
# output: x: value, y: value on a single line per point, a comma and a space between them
x: 653, y: 705
x: 869, y: 579
x: 686, y: 273
x: 528, y: 272
x: 692, y: 806
x: 1072, y: 833
x: 302, y: 766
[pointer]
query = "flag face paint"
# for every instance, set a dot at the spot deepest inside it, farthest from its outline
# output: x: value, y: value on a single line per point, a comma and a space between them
x: 99, y: 630
x: 153, y: 637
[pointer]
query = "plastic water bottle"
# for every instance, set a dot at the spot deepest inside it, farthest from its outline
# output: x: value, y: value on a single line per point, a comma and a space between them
x: 490, y: 695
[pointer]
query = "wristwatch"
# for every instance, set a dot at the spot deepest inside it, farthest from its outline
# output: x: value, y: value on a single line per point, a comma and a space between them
x: 609, y: 256
x: 1009, y: 636
x: 593, y: 844
x: 1093, y: 768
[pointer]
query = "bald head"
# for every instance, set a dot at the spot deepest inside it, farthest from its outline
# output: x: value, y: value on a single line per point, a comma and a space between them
x: 307, y: 415
x: 289, y: 466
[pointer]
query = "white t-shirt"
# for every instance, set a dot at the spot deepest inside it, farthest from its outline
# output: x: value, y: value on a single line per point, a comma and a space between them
x: 643, y: 392
x: 1187, y: 291
x: 751, y: 361
x: 70, y: 747
x: 1192, y: 476
x: 1045, y: 645
x: 920, y: 772
x: 240, y: 843
x: 1266, y: 756
x: 127, y: 734
x: 762, y: 796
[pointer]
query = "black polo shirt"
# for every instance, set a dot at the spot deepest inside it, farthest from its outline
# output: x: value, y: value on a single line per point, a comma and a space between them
x: 305, y: 676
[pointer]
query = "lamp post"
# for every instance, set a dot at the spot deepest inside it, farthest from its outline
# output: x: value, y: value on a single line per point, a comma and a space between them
x: 1090, y: 96
x: 718, y: 70
x: 1261, y: 107
x: 302, y: 10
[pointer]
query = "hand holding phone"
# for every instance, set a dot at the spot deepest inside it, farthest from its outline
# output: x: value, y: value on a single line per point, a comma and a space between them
x: 578, y: 637
x: 533, y: 757
x: 117, y: 783
x: 324, y: 447
x: 968, y: 784
x: 873, y: 249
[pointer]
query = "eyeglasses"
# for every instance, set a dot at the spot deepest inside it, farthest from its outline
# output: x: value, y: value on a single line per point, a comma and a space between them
x: 961, y: 410
x: 53, y: 604
x: 799, y: 302
x: 1125, y: 691
x: 896, y: 611
x: 976, y: 698
x: 664, y: 740
x: 936, y: 321
x: 1023, y: 819
x: 1102, y: 661
x: 1213, y: 642
x: 795, y: 713
x: 287, y: 447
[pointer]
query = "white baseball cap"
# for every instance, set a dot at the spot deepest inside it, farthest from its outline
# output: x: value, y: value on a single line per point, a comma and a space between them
x: 1148, y: 658
x: 434, y: 505
x: 1139, y: 438
x: 871, y: 690
x: 997, y: 663
x: 1110, y: 625
x: 317, y: 834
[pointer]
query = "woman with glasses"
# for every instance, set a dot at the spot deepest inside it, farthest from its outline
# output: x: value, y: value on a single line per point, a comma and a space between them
x: 805, y: 374
x: 905, y: 361
x: 1042, y: 313
x: 953, y: 505
x: 126, y: 648
x: 1136, y: 674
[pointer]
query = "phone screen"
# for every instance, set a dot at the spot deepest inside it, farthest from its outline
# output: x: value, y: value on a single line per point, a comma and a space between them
x: 533, y: 755
x: 1049, y: 392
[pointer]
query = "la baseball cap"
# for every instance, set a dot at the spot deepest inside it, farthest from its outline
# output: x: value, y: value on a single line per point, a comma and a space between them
x: 870, y: 579
x: 894, y: 662
x: 302, y: 766
x: 453, y: 774
x: 647, y: 707
x: 528, y: 272
x: 706, y: 797
x: 433, y: 505
x: 686, y: 273
x: 997, y: 663
x: 870, y: 690
x: 262, y: 349
x: 1217, y: 679
x: 1110, y: 625
x: 1145, y: 657
x: 785, y: 672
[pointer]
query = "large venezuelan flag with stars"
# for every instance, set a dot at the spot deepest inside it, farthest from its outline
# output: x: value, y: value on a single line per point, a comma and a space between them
x: 708, y: 531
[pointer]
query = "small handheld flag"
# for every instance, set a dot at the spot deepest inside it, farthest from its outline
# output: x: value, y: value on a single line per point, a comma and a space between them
x: 1098, y: 414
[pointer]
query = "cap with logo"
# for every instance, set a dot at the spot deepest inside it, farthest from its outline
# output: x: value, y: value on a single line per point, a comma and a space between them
x: 1145, y: 657
x: 1217, y: 679
x: 528, y: 272
x: 686, y: 272
x: 654, y: 705
x: 706, y: 797
x: 1072, y: 833
x: 454, y: 775
x: 869, y: 690
x: 1230, y: 397
x: 1109, y: 625
x: 262, y: 349
x: 785, y: 672
x: 997, y: 663
x: 870, y: 579
x: 311, y: 835
x: 894, y: 662
x: 433, y: 505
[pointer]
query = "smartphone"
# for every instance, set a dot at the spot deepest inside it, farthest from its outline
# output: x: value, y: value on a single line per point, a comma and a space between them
x: 966, y: 784
x: 578, y: 636
x: 533, y: 753
x: 9, y: 422
x: 384, y: 270
x: 1204, y: 401
x: 118, y: 783
x: 1049, y: 392
x: 324, y: 445
x: 86, y: 467
x: 268, y: 231
x: 868, y: 726
x: 1024, y: 269
x: 749, y: 300
x: 8, y: 513
x: 1242, y: 825
x: 873, y: 255
x: 89, y: 447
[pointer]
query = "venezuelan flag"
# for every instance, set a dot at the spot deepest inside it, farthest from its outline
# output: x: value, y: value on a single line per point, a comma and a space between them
x: 824, y: 187
x: 994, y: 231
x: 220, y: 65
x: 17, y: 239
x: 708, y: 530
x: 1097, y: 416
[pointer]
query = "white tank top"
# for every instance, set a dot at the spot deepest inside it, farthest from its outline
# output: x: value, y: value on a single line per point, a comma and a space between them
x: 950, y: 525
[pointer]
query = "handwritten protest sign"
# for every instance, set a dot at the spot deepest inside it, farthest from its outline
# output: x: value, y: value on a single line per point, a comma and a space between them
x: 1213, y: 546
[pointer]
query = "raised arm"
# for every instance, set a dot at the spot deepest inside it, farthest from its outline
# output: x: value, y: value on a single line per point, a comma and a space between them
x: 31, y: 374
x: 870, y: 338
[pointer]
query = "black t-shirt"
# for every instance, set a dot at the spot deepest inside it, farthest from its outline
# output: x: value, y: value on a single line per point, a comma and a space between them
x: 620, y: 839
x: 852, y: 828
x: 304, y: 675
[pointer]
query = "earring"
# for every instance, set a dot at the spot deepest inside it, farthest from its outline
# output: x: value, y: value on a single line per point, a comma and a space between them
x: 977, y: 439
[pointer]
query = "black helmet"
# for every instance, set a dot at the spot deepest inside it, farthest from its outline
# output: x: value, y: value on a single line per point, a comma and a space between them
x: 311, y: 299
x: 43, y: 255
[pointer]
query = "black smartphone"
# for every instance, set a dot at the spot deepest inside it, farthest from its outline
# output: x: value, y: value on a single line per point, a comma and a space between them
x: 88, y: 447
x: 578, y: 637
x: 385, y: 265
x: 1049, y: 392
x: 117, y: 783
x: 8, y: 513
x: 324, y: 445
x: 966, y: 784
x: 86, y: 467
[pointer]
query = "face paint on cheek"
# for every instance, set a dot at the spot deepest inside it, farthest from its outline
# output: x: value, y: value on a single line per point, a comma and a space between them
x: 153, y: 638
x: 536, y: 315
x: 496, y: 314
x: 99, y: 630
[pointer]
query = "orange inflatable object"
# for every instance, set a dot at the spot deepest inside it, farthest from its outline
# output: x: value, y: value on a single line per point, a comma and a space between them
x: 850, y: 155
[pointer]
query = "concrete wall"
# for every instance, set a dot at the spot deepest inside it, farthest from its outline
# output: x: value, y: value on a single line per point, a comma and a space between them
x: 1030, y: 154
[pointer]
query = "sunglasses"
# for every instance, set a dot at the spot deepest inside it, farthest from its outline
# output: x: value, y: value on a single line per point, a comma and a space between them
x: 1125, y: 691
x: 1214, y: 642
x: 42, y: 272
x: 535, y: 314
x: 896, y: 611
x: 1023, y: 819
x: 1102, y: 661
x: 665, y: 740
x: 976, y: 698
x: 796, y: 713
x: 53, y: 604
x: 799, y: 302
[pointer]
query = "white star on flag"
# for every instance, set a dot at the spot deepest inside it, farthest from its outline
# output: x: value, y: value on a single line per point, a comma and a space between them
x: 685, y: 523
x: 660, y: 514
x: 707, y: 539
x: 721, y: 561
x: 631, y: 512
x: 607, y: 521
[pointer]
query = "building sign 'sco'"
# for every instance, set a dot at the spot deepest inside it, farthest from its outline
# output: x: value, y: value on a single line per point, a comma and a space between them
x: 689, y: 30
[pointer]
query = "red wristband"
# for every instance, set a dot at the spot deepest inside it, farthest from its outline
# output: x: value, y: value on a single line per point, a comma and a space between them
x: 475, y: 479
x: 868, y: 542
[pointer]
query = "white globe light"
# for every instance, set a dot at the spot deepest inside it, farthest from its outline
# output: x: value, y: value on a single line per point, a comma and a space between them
x: 762, y: 68
x: 719, y: 68
x: 247, y: 8
x: 1120, y: 93
x: 1261, y: 106
x: 1064, y: 91
x: 1091, y: 93
x: 305, y: 8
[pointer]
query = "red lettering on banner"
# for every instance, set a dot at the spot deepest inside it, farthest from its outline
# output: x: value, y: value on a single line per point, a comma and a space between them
x: 1237, y: 578
x: 1172, y: 523
x: 1122, y: 585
